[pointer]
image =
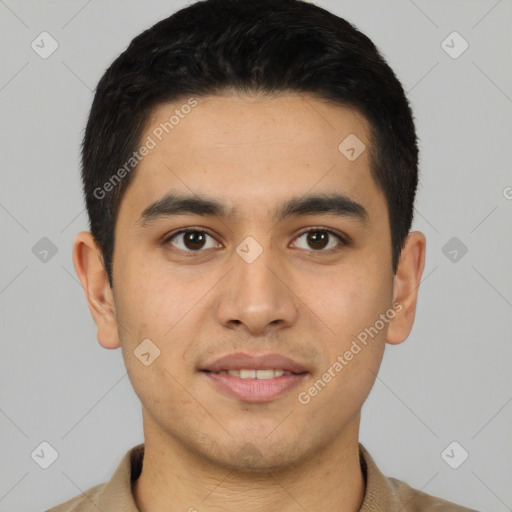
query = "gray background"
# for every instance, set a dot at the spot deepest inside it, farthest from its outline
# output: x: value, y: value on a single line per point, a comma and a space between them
x: 449, y: 382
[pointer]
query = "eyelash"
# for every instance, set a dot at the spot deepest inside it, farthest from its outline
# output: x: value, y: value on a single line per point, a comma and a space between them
x: 342, y: 239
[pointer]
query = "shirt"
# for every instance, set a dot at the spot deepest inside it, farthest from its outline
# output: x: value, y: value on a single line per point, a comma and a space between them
x: 382, y: 494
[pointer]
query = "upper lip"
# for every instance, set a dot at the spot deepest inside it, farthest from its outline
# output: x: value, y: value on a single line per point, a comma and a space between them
x: 241, y: 361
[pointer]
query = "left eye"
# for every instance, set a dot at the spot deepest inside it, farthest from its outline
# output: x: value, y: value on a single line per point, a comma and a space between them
x: 319, y: 239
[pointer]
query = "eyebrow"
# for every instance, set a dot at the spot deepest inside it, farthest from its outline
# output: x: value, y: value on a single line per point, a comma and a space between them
x: 176, y: 204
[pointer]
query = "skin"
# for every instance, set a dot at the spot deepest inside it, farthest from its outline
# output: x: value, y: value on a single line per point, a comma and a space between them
x: 253, y: 153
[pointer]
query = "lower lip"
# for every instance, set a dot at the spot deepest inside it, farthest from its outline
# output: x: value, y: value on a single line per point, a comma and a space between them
x: 255, y: 390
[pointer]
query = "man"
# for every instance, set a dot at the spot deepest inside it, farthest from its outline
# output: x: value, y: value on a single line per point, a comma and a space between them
x: 250, y: 171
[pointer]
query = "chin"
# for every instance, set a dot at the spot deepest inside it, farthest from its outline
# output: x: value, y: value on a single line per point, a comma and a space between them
x: 260, y: 457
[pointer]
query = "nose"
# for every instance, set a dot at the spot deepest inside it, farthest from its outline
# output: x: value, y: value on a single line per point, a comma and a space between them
x: 257, y: 295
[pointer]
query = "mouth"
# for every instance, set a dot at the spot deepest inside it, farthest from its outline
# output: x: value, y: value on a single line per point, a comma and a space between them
x: 254, y: 378
x: 255, y: 374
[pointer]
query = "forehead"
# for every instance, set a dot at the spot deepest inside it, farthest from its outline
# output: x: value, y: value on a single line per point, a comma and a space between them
x: 217, y: 122
x: 254, y: 151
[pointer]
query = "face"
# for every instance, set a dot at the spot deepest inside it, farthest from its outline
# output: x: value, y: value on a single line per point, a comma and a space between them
x: 255, y: 312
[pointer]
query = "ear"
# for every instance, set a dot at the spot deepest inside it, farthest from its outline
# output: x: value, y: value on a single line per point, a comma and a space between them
x: 89, y: 266
x: 405, y: 289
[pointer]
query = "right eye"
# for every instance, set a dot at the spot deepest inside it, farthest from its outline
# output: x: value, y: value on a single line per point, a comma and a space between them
x: 190, y: 240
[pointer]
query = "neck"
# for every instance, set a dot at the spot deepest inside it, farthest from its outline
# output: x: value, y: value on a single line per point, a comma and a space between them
x: 175, y: 479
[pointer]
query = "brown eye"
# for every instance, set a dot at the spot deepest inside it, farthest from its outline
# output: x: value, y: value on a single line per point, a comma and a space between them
x: 319, y: 239
x: 194, y: 240
x: 191, y: 240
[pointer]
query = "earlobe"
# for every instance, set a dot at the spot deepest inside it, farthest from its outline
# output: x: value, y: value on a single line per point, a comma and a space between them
x: 88, y: 263
x: 406, y: 286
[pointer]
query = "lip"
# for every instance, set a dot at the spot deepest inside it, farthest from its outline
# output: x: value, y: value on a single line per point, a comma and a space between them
x: 240, y: 360
x: 254, y: 390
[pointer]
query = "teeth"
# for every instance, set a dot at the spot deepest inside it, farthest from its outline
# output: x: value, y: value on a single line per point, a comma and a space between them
x: 256, y: 374
x: 247, y: 374
x: 264, y: 374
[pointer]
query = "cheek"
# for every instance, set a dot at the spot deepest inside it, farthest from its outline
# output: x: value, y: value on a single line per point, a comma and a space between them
x: 355, y: 344
x: 353, y: 300
x: 353, y: 348
x: 149, y: 301
x: 162, y: 306
x: 153, y: 306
